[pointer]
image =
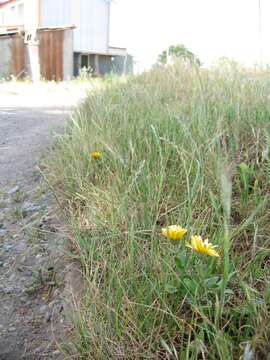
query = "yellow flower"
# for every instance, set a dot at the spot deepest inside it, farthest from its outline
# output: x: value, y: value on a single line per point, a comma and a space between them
x: 95, y: 155
x: 174, y: 232
x: 202, y: 246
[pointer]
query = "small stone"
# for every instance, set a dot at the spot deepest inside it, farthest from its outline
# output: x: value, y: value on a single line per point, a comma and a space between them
x: 7, y: 247
x: 12, y: 329
x: 2, y: 233
x: 43, y: 309
x: 39, y: 350
x: 29, y: 207
x: 48, y: 317
x: 14, y: 190
x: 56, y: 352
x: 56, y: 293
x: 9, y: 290
x: 12, y: 277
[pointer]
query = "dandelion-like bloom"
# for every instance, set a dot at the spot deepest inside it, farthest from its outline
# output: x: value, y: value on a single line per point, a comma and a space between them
x: 202, y: 246
x: 174, y: 232
x: 95, y: 155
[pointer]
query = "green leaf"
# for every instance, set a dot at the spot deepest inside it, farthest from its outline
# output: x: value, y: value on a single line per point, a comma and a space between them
x: 229, y: 292
x: 211, y: 282
x: 170, y: 289
x: 166, y: 346
x: 190, y: 285
x: 244, y: 168
x: 180, y: 261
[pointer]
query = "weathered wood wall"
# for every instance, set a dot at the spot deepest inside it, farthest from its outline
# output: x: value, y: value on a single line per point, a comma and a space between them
x: 12, y: 56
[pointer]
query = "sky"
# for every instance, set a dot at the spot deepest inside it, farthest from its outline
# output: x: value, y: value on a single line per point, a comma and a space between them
x: 209, y: 28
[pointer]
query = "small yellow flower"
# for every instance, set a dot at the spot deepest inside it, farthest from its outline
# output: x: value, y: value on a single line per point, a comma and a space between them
x: 202, y: 246
x: 95, y: 155
x: 174, y: 232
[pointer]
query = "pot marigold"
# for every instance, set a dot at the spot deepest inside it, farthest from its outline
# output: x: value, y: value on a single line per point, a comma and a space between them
x: 95, y: 155
x: 202, y: 246
x: 174, y: 232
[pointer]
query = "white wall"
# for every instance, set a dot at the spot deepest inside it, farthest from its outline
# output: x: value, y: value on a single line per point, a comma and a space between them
x: 12, y: 14
x: 2, y: 16
x: 68, y: 55
x: 55, y: 12
x: 31, y: 15
x: 91, y: 18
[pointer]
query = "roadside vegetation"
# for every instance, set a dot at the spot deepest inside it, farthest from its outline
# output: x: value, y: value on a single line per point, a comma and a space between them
x: 183, y: 146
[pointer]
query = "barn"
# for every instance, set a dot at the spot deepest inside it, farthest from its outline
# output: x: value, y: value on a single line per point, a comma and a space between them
x: 55, y: 39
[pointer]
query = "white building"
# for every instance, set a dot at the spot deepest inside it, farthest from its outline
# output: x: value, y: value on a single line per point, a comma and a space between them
x: 89, y: 19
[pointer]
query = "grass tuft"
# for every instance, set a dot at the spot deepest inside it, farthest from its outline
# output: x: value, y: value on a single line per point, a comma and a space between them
x: 177, y: 145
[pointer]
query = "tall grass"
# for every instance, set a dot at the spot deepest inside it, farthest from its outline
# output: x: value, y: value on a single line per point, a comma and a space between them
x: 180, y: 146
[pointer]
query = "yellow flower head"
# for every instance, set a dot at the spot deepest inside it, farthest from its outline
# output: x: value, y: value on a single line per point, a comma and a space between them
x: 174, y: 232
x: 202, y: 246
x: 95, y: 155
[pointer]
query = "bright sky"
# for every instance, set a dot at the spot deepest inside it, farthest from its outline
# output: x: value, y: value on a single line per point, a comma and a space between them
x: 209, y: 28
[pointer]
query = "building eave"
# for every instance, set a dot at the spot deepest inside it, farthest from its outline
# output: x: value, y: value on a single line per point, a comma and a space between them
x: 61, y: 27
x: 11, y: 29
x: 116, y: 51
x: 6, y: 2
x: 112, y: 51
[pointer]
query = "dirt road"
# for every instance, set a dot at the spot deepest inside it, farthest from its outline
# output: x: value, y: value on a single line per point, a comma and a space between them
x: 32, y: 308
x: 24, y: 134
x: 28, y: 114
